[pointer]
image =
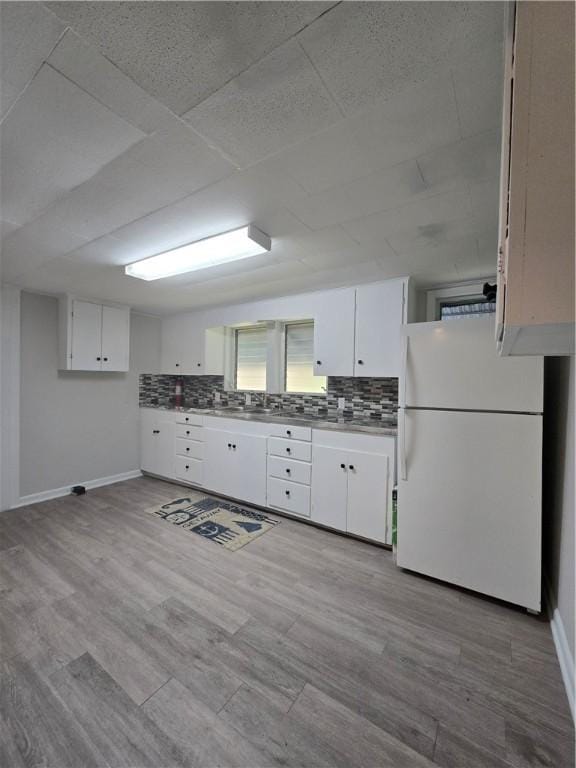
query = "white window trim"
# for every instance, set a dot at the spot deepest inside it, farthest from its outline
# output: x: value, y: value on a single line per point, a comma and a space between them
x: 466, y: 291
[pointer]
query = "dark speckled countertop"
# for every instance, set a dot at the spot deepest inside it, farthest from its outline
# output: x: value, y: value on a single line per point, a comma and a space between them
x: 272, y: 416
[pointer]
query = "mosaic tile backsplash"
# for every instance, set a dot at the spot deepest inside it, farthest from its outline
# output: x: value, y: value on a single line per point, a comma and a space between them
x: 364, y: 397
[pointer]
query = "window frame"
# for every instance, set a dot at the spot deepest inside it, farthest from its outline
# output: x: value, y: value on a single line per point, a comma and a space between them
x: 284, y: 361
x: 252, y: 328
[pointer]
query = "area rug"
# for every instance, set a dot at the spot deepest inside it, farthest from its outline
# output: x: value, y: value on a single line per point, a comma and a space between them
x: 227, y: 524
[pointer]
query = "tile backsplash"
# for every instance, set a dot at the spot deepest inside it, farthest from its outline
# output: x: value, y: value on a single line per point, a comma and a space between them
x: 364, y: 397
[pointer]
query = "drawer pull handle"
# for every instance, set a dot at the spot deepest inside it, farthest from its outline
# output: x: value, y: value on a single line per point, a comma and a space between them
x: 342, y: 466
x: 288, y: 471
x: 187, y: 449
x: 287, y: 493
x: 318, y: 362
x: 288, y: 432
x: 187, y: 466
x: 288, y: 450
x: 186, y: 419
x: 199, y: 364
x: 177, y: 365
x: 187, y: 431
x: 351, y: 467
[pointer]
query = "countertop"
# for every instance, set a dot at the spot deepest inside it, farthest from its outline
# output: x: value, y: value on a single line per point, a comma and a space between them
x: 337, y: 423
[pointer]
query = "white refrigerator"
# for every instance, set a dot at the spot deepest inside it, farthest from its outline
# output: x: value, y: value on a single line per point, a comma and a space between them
x: 470, y: 461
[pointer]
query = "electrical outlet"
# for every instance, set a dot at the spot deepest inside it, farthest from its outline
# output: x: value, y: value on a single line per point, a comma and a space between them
x: 216, y: 397
x: 341, y: 403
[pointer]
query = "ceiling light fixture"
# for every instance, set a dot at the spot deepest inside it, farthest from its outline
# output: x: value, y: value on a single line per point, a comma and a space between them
x: 220, y: 249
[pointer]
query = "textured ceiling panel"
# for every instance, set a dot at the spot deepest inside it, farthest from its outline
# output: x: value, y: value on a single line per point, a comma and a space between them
x: 182, y: 52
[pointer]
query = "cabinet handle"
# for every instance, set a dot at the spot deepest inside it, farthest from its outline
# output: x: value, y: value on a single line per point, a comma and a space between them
x: 98, y: 358
x: 187, y: 431
x: 288, y: 450
x: 288, y: 471
x: 234, y: 447
x: 342, y: 466
x: 318, y: 362
x: 105, y: 359
x: 199, y: 365
x: 186, y: 419
x: 287, y: 493
x: 288, y: 432
x: 229, y: 445
x: 360, y: 362
x: 351, y: 466
x: 177, y: 365
x: 187, y: 449
x: 187, y: 467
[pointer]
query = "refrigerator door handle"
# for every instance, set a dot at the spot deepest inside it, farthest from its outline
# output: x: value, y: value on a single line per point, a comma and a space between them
x: 404, y: 371
x: 402, y: 445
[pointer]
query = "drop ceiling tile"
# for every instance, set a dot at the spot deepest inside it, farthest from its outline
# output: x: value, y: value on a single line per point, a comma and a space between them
x: 474, y: 159
x: 418, y: 223
x: 365, y: 51
x: 325, y: 160
x: 182, y: 52
x: 377, y: 192
x: 479, y: 84
x: 28, y: 32
x: 90, y: 70
x: 276, y: 102
x: 54, y: 138
x: 33, y: 245
x: 419, y: 119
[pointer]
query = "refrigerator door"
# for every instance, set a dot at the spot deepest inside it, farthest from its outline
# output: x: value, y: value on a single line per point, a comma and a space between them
x: 469, y: 501
x: 455, y: 365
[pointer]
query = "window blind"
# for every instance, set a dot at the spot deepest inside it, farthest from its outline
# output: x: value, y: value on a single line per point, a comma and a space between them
x: 251, y: 349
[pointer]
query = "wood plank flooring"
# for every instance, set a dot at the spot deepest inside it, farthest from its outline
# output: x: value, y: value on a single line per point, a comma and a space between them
x: 125, y: 642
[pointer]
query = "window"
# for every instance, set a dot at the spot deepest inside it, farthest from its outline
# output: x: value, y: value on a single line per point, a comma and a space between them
x: 299, y: 359
x: 251, y: 353
x: 455, y: 310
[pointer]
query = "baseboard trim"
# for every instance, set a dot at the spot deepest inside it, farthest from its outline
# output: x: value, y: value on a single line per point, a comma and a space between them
x: 56, y: 493
x: 562, y: 648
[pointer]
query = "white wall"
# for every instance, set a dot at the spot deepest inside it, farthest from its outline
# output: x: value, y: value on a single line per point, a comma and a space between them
x: 559, y: 565
x: 77, y: 426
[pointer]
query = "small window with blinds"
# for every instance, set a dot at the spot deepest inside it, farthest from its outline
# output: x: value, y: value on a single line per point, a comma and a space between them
x: 251, y: 354
x: 299, y: 360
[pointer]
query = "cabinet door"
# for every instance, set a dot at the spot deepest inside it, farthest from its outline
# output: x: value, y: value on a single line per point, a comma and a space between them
x: 250, y: 470
x: 182, y: 348
x: 164, y: 451
x: 367, y: 495
x: 86, y: 336
x: 115, y: 339
x: 329, y: 486
x: 219, y: 461
x: 379, y: 315
x: 334, y: 334
x: 148, y: 441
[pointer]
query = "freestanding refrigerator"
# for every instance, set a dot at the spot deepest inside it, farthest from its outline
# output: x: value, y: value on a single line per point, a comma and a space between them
x: 470, y: 461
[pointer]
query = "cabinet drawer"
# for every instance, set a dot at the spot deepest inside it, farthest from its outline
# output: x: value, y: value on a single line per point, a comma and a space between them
x: 189, y: 432
x: 290, y: 432
x: 290, y: 449
x: 292, y: 497
x: 189, y: 469
x: 192, y: 449
x: 194, y: 419
x: 287, y: 469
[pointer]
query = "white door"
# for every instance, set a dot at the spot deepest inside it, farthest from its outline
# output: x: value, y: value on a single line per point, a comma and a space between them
x: 148, y: 440
x: 86, y: 336
x: 469, y: 501
x: 165, y: 437
x: 367, y: 495
x: 379, y: 316
x: 250, y: 477
x: 219, y: 461
x: 455, y: 365
x: 334, y: 334
x: 115, y: 339
x: 329, y: 486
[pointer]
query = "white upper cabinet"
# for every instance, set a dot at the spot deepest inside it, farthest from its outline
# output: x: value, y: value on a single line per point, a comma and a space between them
x: 334, y: 334
x: 190, y: 349
x: 379, y: 317
x: 357, y: 330
x: 93, y: 337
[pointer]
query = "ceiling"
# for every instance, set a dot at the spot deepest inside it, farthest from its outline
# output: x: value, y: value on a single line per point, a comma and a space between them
x: 363, y: 137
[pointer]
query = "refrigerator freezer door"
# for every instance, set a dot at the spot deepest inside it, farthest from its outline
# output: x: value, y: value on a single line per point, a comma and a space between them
x: 455, y: 365
x: 469, y: 508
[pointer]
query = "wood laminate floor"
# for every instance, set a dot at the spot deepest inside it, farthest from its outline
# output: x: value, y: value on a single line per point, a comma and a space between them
x: 127, y: 642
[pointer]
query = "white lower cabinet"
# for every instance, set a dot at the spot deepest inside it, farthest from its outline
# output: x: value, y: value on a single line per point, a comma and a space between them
x: 351, y: 486
x: 190, y: 470
x: 235, y: 465
x: 157, y: 431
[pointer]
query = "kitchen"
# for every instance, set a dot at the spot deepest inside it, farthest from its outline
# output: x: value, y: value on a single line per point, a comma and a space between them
x: 282, y: 292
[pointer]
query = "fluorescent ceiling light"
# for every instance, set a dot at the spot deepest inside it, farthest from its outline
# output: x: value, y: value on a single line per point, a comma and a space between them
x: 220, y: 249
